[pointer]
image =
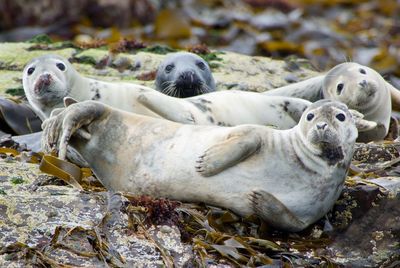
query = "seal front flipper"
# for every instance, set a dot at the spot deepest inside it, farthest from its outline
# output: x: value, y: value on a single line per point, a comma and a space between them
x: 238, y: 146
x: 60, y: 128
x: 170, y: 108
x: 275, y: 212
x: 362, y: 124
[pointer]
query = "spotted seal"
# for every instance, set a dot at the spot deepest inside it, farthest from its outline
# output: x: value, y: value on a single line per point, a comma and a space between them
x: 290, y: 178
x: 359, y: 87
x: 184, y: 74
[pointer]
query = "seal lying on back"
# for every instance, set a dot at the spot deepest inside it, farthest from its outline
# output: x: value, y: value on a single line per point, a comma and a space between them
x: 359, y: 87
x: 184, y: 74
x: 290, y: 178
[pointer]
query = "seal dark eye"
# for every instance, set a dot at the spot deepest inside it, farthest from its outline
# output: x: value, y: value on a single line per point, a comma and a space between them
x: 339, y: 88
x: 61, y: 66
x: 169, y: 68
x: 310, y: 116
x: 201, y: 65
x: 362, y: 71
x: 341, y: 117
x: 31, y: 70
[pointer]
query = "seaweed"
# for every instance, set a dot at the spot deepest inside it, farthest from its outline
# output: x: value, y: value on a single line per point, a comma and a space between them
x: 159, y: 49
x: 18, y: 91
x: 40, y: 39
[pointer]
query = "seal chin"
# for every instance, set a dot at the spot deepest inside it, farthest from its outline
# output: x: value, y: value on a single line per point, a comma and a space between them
x: 332, y: 153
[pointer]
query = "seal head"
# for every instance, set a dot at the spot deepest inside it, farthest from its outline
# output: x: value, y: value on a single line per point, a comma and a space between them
x: 48, y: 79
x: 183, y: 75
x: 328, y: 127
x: 353, y: 84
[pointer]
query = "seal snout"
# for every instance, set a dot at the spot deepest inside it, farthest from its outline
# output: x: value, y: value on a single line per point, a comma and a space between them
x: 321, y: 125
x: 43, y: 81
x: 188, y: 80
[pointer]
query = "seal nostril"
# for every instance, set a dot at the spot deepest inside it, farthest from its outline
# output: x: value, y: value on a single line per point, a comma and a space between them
x: 363, y: 83
x: 322, y: 126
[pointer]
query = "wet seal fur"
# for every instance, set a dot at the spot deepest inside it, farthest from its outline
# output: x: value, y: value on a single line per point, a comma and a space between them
x: 184, y: 74
x: 359, y: 87
x: 50, y: 78
x: 290, y: 178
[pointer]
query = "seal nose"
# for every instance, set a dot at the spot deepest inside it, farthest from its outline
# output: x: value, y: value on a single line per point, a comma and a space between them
x: 187, y: 76
x: 43, y: 81
x: 363, y: 83
x: 322, y: 125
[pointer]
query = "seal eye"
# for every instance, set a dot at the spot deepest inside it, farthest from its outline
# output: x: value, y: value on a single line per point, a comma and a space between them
x: 61, y: 66
x: 339, y: 88
x: 201, y: 65
x: 169, y: 68
x: 341, y: 117
x: 31, y: 70
x: 362, y: 71
x: 310, y: 116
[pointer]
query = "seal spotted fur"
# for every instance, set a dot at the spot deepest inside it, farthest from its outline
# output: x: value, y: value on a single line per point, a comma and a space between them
x: 290, y: 178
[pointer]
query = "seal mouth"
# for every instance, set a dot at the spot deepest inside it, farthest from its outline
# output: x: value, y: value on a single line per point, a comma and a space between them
x: 331, y: 153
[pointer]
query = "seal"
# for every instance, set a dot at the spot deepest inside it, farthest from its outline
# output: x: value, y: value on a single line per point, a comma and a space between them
x: 234, y: 107
x: 48, y: 79
x: 290, y: 178
x: 359, y: 87
x: 184, y: 74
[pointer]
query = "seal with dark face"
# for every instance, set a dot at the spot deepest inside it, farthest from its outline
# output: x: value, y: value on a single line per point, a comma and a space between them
x: 290, y: 178
x: 359, y: 87
x: 184, y: 74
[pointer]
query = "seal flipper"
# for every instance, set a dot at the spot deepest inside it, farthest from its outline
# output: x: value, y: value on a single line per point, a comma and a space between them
x: 170, y: 108
x: 237, y: 147
x: 362, y: 124
x: 269, y: 208
x: 395, y: 96
x: 310, y: 89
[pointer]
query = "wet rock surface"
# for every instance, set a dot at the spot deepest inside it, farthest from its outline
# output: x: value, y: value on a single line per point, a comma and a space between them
x: 45, y: 222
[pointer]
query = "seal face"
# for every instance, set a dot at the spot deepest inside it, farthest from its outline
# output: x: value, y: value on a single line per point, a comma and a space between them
x: 290, y: 178
x: 353, y: 84
x: 47, y: 80
x: 183, y: 75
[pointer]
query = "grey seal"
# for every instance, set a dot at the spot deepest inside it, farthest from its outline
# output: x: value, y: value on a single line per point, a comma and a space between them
x: 359, y: 87
x: 184, y: 74
x: 290, y: 178
x: 48, y: 79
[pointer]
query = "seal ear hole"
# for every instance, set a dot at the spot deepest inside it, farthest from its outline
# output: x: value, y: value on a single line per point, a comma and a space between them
x: 169, y: 68
x: 310, y: 116
x: 339, y: 88
x: 362, y: 71
x: 201, y: 65
x: 31, y: 70
x: 61, y: 66
x: 341, y: 117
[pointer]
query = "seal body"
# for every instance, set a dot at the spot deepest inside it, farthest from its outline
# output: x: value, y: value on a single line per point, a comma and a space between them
x: 228, y: 108
x: 290, y: 178
x: 48, y: 79
x: 184, y: 74
x: 359, y: 87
